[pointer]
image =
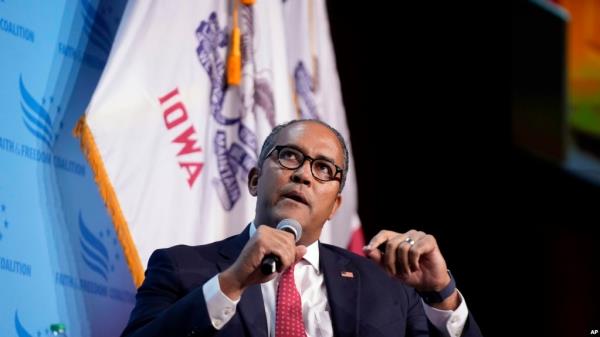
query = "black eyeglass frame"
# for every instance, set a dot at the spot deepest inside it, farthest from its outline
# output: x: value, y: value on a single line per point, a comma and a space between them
x: 310, y: 159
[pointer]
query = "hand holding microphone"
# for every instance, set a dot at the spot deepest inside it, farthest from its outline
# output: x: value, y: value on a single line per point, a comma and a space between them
x: 272, y: 263
x: 268, y: 250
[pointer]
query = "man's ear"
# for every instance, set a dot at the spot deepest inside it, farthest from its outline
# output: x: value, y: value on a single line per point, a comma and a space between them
x: 253, y: 180
x: 336, y: 205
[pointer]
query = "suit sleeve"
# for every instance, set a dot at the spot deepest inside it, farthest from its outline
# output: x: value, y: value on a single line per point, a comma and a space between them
x: 162, y: 306
x: 471, y: 328
x: 419, y: 325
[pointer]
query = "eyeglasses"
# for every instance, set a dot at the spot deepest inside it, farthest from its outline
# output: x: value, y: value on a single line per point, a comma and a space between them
x: 322, y: 169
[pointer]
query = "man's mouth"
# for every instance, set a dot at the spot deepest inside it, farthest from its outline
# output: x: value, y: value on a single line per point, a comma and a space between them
x: 296, y: 196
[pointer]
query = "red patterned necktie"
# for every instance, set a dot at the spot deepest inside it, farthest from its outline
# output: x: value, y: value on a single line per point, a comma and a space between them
x: 288, y: 315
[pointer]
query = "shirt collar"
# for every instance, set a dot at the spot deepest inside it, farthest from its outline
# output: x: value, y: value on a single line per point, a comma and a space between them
x: 312, y: 250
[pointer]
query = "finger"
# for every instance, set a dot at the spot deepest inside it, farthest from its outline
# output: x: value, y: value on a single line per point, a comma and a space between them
x: 288, y: 255
x: 374, y: 254
x: 380, y: 238
x: 390, y: 257
x: 404, y: 251
x: 414, y: 253
x: 278, y: 243
x: 300, y: 252
x: 402, y: 259
x: 276, y: 234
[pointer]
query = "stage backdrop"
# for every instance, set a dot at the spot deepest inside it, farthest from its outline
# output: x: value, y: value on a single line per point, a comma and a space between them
x: 170, y: 135
x: 60, y: 261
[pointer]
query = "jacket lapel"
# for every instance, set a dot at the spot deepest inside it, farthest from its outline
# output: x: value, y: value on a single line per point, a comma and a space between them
x: 252, y: 311
x: 342, y: 282
x: 250, y: 307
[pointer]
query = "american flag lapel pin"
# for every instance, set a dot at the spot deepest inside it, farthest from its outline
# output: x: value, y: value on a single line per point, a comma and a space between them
x: 347, y: 274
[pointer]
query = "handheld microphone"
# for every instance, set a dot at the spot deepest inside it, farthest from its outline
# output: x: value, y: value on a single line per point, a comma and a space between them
x: 271, y: 262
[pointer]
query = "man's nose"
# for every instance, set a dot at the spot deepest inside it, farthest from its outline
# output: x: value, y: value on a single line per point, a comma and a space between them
x: 302, y: 175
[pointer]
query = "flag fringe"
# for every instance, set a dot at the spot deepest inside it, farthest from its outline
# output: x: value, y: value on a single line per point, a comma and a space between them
x: 90, y: 150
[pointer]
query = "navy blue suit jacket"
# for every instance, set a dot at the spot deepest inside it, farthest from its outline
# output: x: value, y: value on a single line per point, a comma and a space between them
x: 171, y: 302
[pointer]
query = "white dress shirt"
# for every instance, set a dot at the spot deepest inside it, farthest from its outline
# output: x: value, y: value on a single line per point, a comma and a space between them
x: 315, y: 307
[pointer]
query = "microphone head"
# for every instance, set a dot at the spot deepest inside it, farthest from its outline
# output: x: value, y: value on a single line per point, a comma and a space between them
x: 291, y: 226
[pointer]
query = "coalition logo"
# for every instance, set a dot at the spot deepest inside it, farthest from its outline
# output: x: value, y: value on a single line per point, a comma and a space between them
x: 36, y: 118
x: 97, y: 27
x: 19, y: 328
x: 94, y: 253
x: 23, y: 332
x: 99, y: 254
x: 43, y: 119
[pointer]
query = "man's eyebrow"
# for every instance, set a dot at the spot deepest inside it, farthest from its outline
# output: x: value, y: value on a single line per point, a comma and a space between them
x: 319, y: 156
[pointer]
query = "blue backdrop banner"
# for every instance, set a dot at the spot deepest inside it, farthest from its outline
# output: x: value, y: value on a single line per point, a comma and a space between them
x: 60, y: 260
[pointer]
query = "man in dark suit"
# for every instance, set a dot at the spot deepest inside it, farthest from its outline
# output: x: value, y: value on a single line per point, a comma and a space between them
x: 220, y: 290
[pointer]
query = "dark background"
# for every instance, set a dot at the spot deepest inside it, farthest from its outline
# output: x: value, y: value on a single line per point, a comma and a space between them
x: 427, y: 91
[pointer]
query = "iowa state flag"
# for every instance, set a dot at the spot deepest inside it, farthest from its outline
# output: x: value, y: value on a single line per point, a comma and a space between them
x: 171, y: 143
x: 317, y: 95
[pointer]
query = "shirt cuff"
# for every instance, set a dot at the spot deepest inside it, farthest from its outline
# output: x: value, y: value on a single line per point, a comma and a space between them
x: 449, y: 322
x: 220, y: 307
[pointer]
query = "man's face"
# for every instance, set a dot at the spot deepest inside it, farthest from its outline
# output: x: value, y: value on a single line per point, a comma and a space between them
x: 297, y: 194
